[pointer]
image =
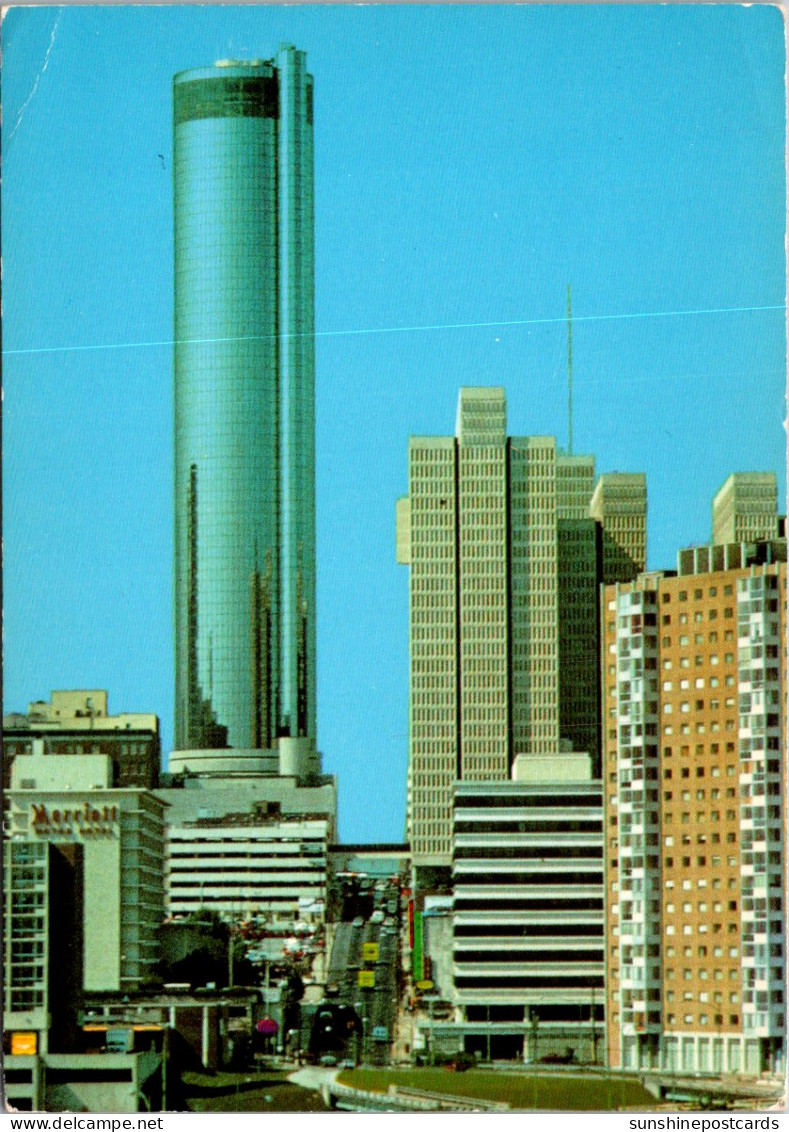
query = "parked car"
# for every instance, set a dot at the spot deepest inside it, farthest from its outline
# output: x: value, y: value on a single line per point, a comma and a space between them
x: 566, y: 1058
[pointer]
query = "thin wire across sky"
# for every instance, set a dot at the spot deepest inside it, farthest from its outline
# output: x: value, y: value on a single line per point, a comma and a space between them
x: 493, y: 324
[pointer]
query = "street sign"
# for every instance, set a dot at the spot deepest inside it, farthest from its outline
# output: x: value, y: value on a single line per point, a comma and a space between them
x: 380, y: 1034
x: 120, y: 1040
x: 366, y: 978
x: 370, y: 952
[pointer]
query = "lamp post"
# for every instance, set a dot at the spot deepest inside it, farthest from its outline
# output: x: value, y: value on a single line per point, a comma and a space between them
x: 165, y: 1055
x: 594, y: 1030
x: 430, y: 1047
x: 359, y: 1008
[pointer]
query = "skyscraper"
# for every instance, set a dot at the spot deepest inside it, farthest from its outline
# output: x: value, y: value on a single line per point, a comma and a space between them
x: 483, y: 610
x: 503, y: 551
x: 244, y: 404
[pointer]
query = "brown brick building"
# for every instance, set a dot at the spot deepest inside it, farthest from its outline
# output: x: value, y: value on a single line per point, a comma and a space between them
x: 78, y: 723
x: 694, y: 729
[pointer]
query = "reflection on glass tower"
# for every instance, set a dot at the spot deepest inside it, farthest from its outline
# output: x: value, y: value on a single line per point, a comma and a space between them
x: 244, y: 404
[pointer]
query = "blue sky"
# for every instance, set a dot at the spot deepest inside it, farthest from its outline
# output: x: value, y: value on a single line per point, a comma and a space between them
x: 470, y: 161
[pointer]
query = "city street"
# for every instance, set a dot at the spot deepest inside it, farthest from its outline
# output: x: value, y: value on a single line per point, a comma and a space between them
x: 363, y: 967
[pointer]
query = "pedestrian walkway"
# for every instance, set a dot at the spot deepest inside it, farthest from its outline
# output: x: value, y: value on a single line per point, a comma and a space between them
x: 398, y: 1098
x: 313, y: 1076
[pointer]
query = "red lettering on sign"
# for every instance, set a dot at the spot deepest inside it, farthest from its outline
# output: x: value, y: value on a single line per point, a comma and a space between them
x: 40, y: 815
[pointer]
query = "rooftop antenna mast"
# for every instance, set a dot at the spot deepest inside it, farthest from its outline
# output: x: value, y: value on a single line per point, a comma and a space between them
x: 569, y: 371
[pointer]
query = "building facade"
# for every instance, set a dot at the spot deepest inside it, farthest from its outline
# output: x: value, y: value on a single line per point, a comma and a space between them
x: 695, y: 729
x: 78, y: 722
x: 253, y: 847
x: 69, y: 801
x: 528, y: 945
x: 244, y: 404
x: 42, y: 944
x: 248, y: 865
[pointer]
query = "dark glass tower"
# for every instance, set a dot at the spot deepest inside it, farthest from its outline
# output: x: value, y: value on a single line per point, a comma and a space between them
x: 244, y: 404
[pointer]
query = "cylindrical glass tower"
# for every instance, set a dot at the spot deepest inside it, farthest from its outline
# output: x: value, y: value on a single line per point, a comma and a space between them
x: 244, y: 404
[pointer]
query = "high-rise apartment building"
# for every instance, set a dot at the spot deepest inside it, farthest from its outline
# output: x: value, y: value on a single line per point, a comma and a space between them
x: 695, y: 727
x: 244, y: 404
x: 745, y: 509
x: 504, y: 624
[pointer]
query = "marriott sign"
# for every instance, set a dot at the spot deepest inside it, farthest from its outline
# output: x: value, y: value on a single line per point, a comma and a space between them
x: 85, y: 819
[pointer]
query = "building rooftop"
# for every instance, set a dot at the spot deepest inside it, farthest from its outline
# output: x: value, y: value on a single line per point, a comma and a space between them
x: 79, y: 709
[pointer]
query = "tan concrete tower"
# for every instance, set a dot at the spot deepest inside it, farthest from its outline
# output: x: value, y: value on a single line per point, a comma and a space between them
x: 746, y: 508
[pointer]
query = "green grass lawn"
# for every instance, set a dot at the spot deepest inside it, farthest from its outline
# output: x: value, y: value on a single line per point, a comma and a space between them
x: 266, y: 1091
x: 557, y: 1091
